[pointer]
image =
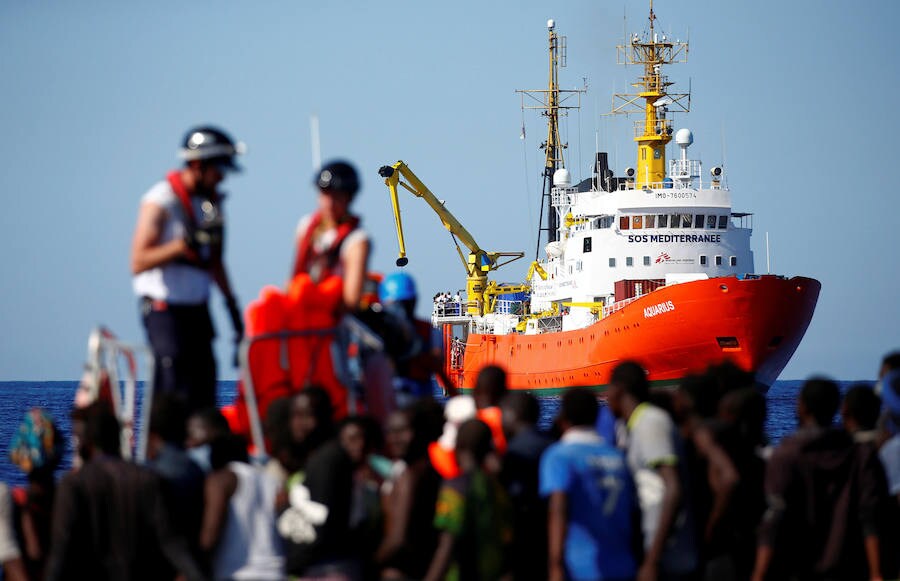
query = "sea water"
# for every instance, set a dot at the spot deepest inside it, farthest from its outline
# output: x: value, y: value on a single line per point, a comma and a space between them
x: 56, y: 397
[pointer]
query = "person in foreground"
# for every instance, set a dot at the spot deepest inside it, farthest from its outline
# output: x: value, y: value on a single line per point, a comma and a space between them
x: 473, y: 514
x: 823, y: 493
x: 110, y: 520
x: 176, y: 254
x: 593, y: 504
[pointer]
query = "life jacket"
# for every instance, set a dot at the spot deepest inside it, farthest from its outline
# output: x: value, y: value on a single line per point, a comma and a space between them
x: 174, y: 179
x: 443, y: 459
x: 282, y: 367
x: 320, y: 265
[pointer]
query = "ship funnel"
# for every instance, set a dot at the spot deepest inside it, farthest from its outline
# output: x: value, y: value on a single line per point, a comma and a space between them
x: 562, y: 178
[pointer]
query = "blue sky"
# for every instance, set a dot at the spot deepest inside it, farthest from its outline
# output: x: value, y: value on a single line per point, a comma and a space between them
x: 794, y: 98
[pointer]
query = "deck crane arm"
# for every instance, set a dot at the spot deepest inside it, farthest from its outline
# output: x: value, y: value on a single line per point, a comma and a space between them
x: 477, y: 263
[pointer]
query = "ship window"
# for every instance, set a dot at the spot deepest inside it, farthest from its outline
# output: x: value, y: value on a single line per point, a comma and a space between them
x: 702, y: 260
x: 629, y: 261
x: 605, y: 222
x: 728, y: 342
x: 718, y: 261
x: 698, y: 220
x: 663, y: 220
x: 612, y: 262
x: 624, y: 223
x: 686, y: 220
x: 637, y: 222
x: 578, y: 266
x: 646, y: 261
x: 586, y: 245
x: 650, y: 221
x: 732, y: 260
x: 710, y: 221
x: 723, y: 222
x: 675, y: 221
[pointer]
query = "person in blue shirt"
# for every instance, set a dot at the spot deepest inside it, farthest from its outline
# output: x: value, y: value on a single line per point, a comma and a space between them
x: 592, y: 501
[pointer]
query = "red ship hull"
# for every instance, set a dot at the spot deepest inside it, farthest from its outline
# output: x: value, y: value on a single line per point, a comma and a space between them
x: 755, y: 322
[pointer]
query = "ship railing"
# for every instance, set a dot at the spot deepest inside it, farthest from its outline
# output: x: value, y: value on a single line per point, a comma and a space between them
x: 563, y: 196
x: 619, y: 305
x: 509, y: 307
x: 659, y: 127
x: 448, y: 308
x: 684, y: 168
x: 102, y: 371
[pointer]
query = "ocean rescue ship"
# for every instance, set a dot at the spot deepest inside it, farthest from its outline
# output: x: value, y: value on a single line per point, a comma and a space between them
x: 652, y: 265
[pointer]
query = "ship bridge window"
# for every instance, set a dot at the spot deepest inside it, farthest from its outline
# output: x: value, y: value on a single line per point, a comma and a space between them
x: 710, y: 221
x: 686, y: 220
x: 624, y: 223
x: 646, y: 261
x: 637, y: 222
x: 629, y: 261
x: 702, y: 260
x: 586, y: 245
x: 698, y: 220
x: 605, y: 222
x: 650, y: 221
x: 612, y: 262
x: 675, y: 221
x: 732, y: 260
x: 663, y: 220
x: 718, y: 261
x: 723, y: 222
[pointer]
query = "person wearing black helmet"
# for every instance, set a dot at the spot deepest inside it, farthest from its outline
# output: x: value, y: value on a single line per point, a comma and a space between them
x: 176, y: 255
x: 330, y: 240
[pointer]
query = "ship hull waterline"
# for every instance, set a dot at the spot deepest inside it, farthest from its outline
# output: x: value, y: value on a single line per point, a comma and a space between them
x: 755, y: 322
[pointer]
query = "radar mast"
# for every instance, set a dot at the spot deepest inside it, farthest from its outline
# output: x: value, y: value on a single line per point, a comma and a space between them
x: 654, y: 131
x: 551, y: 102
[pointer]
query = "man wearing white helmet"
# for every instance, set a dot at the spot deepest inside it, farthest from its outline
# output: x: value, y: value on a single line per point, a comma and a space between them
x: 176, y: 255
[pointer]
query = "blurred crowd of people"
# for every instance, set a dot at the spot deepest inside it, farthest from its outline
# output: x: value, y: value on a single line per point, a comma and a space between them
x: 652, y: 484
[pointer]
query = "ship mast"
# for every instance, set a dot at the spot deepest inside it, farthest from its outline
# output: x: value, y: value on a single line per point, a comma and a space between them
x: 652, y: 50
x: 551, y: 103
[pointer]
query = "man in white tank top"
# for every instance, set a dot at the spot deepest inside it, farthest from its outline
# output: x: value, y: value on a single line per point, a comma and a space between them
x: 176, y: 254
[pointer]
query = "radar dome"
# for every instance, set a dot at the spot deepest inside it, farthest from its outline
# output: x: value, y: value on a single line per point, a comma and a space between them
x: 684, y: 137
x: 562, y: 178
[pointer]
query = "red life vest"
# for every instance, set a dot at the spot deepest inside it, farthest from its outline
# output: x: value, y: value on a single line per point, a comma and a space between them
x: 174, y: 179
x: 320, y: 265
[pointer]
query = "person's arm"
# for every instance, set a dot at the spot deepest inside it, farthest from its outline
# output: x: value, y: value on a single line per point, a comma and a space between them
x: 10, y: 556
x: 400, y: 500
x: 670, y: 502
x: 217, y: 491
x: 723, y: 477
x: 355, y: 260
x: 557, y: 527
x: 146, y: 250
x: 441, y: 560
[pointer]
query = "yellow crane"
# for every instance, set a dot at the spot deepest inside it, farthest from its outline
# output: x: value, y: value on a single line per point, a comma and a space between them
x: 478, y: 263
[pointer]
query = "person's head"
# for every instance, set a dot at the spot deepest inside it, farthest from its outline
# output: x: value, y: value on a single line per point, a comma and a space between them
x: 97, y: 431
x: 520, y: 410
x: 338, y: 183
x: 696, y: 395
x: 204, y: 426
x: 861, y: 408
x: 398, y: 433
x: 311, y: 415
x: 628, y: 386
x: 889, y: 362
x: 473, y: 444
x: 818, y: 402
x: 578, y: 408
x: 277, y: 429
x: 168, y: 418
x: 208, y: 154
x: 359, y: 436
x: 399, y: 288
x: 36, y: 447
x: 490, y: 386
x: 227, y: 448
x: 745, y: 410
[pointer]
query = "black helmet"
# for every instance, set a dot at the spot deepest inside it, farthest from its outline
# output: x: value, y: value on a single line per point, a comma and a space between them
x: 337, y: 176
x: 209, y: 143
